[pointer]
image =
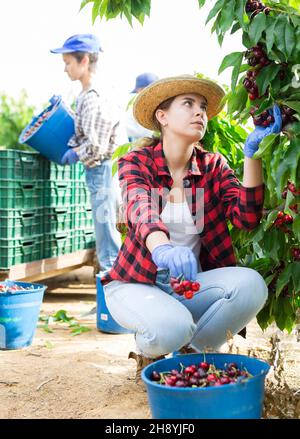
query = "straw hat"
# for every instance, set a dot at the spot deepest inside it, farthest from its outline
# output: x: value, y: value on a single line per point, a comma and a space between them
x: 152, y: 96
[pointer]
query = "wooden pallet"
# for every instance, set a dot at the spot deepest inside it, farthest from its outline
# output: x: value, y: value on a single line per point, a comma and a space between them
x: 37, y: 270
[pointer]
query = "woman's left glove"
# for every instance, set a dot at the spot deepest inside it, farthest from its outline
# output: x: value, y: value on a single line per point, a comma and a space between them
x: 70, y: 157
x: 254, y: 139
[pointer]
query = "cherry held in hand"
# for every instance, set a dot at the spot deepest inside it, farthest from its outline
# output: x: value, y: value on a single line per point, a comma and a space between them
x: 184, y: 287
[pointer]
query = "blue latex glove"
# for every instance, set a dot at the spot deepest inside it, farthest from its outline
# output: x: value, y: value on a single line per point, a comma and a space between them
x: 254, y: 139
x: 179, y: 260
x: 70, y: 157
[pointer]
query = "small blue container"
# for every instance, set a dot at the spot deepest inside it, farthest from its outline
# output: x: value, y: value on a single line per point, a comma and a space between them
x: 52, y: 136
x: 19, y: 314
x: 243, y: 400
x: 105, y: 322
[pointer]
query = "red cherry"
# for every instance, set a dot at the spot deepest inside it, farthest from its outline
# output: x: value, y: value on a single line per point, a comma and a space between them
x: 204, y: 365
x: 288, y: 219
x: 178, y: 288
x: 292, y: 187
x: 212, y: 377
x: 190, y: 370
x: 195, y: 286
x: 186, y: 284
x: 280, y: 215
x: 252, y: 97
x: 189, y: 294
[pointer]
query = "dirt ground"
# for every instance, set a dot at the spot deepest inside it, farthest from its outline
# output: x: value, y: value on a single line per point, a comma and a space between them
x: 89, y: 375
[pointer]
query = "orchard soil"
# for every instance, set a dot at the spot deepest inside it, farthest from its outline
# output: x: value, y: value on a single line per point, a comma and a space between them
x: 89, y: 375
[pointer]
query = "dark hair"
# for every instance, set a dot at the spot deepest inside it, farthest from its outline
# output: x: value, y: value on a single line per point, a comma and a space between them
x: 154, y: 140
x: 93, y: 57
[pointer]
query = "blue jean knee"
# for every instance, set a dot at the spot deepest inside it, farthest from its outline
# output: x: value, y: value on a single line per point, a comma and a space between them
x: 161, y: 323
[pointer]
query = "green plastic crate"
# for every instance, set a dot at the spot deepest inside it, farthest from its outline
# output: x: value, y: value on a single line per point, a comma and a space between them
x: 58, y: 193
x: 19, y: 251
x: 55, y: 172
x: 83, y: 217
x: 58, y: 219
x: 21, y: 223
x: 84, y: 239
x: 78, y: 172
x: 80, y: 193
x: 21, y: 165
x: 21, y: 194
x: 57, y: 244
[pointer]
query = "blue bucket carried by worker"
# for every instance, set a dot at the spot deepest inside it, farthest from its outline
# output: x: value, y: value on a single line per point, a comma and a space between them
x: 240, y: 400
x: 105, y: 321
x: 19, y: 312
x: 50, y: 131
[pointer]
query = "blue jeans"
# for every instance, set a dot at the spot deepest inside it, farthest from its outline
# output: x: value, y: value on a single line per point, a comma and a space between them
x: 164, y: 321
x: 104, y: 200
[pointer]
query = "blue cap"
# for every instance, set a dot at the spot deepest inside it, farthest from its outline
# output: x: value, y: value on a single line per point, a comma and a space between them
x: 143, y: 80
x: 80, y: 43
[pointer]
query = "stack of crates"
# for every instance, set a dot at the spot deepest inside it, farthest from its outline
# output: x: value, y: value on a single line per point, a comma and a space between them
x: 45, y: 209
x: 21, y: 207
x: 68, y: 222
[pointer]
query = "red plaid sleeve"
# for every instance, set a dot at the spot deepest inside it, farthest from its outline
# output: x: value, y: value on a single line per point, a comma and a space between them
x: 243, y: 206
x: 141, y: 211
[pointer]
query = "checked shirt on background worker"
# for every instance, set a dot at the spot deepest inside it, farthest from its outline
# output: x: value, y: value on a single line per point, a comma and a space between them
x: 96, y: 129
x: 164, y: 243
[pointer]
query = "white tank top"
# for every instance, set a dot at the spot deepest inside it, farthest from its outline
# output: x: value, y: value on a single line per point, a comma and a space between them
x: 179, y: 221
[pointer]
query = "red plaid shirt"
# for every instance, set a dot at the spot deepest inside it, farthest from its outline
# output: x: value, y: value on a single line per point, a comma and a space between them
x: 224, y: 199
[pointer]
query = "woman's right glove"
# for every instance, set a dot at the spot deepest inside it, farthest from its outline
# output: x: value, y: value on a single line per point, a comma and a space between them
x: 179, y: 260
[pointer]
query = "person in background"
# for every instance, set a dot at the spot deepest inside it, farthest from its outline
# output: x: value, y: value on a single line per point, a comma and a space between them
x: 134, y: 129
x: 178, y: 198
x: 96, y: 129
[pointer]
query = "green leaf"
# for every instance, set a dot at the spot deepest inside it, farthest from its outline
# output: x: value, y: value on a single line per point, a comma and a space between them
x: 235, y: 28
x: 232, y: 59
x: 270, y: 220
x: 201, y: 3
x: 296, y: 227
x: 246, y: 40
x: 295, y: 105
x: 296, y: 276
x: 241, y: 13
x: 61, y: 316
x: 265, y: 145
x: 285, y: 36
x: 271, y: 243
x: 84, y: 3
x: 235, y: 74
x: 218, y: 6
x: 269, y: 279
x: 79, y: 330
x: 270, y: 33
x: 283, y: 279
x: 96, y: 10
x: 256, y: 28
x: 265, y: 77
x: 290, y: 39
x: 237, y: 100
x: 263, y: 317
x: 227, y: 16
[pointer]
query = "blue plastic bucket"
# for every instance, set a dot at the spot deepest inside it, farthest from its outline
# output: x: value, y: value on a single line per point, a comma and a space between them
x: 52, y: 136
x: 243, y: 400
x: 105, y: 321
x: 19, y: 314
